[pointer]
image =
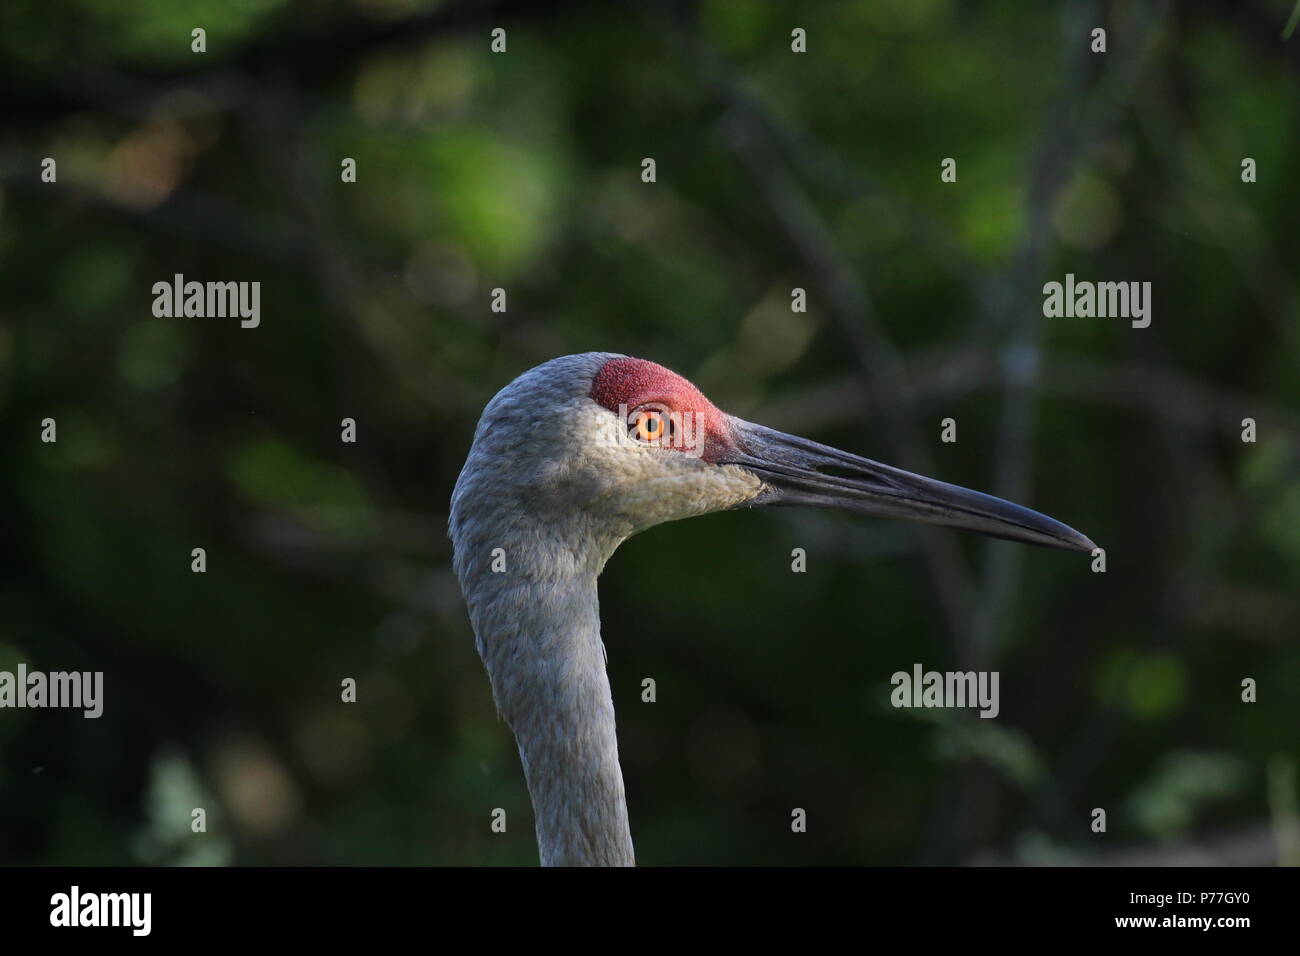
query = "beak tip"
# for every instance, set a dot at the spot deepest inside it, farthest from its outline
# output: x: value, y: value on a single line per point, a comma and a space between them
x: 1081, y: 542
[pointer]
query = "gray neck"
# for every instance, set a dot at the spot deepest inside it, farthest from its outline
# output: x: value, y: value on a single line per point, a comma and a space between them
x: 538, y: 631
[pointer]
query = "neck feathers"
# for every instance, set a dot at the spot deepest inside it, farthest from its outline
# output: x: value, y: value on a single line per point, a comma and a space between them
x: 537, y: 626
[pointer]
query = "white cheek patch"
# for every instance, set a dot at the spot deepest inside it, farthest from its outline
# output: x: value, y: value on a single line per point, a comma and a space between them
x: 697, y: 488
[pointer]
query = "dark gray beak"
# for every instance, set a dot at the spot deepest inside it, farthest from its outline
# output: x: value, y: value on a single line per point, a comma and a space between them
x: 797, y: 471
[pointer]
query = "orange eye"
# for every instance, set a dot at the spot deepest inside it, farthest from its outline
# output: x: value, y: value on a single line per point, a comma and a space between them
x: 649, y: 426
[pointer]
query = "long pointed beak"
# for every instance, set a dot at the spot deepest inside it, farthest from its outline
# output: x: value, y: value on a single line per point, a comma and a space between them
x: 797, y: 471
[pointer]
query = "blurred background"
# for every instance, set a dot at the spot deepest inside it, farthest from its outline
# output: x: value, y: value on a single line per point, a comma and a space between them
x: 775, y: 170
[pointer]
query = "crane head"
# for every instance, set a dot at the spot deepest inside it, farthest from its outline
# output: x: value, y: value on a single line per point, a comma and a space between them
x: 620, y: 444
x: 568, y: 460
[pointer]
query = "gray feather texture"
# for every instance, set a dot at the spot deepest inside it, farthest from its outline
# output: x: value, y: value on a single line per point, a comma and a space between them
x: 549, y: 482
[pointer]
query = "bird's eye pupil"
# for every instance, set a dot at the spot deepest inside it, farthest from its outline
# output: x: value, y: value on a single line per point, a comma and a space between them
x: 649, y: 426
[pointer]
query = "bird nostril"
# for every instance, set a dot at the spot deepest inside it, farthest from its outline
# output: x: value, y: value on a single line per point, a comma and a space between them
x: 837, y: 471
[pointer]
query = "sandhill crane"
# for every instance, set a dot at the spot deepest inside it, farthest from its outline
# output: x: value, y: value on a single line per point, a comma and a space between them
x: 568, y: 461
